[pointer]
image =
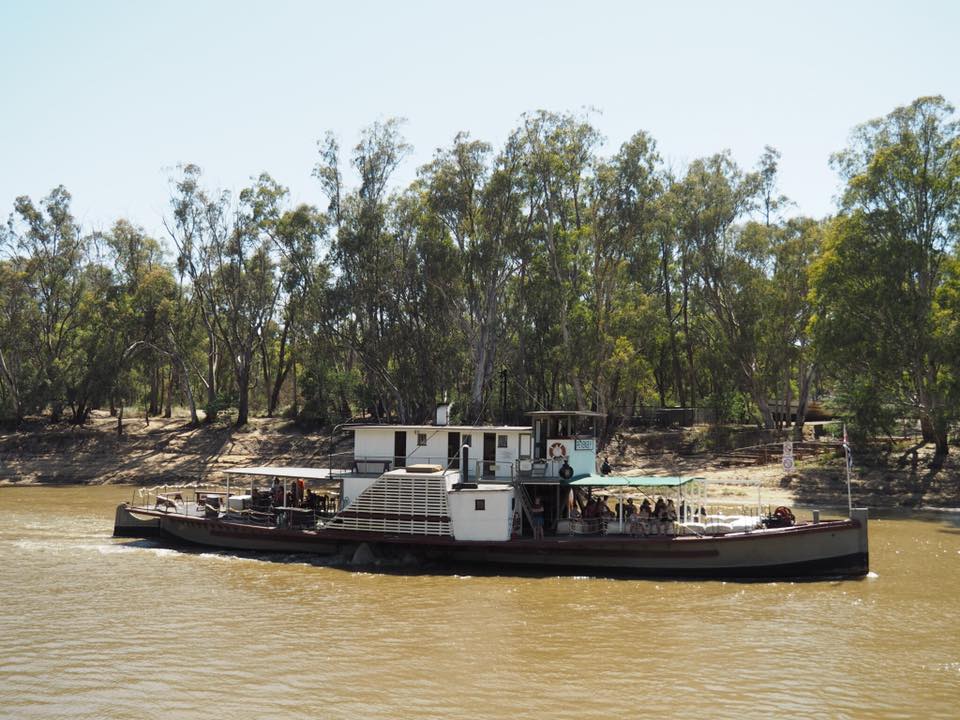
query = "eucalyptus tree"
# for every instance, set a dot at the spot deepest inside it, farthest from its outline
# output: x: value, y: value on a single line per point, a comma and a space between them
x: 192, y: 228
x: 365, y: 254
x: 881, y: 323
x: 716, y: 196
x: 622, y: 211
x: 426, y: 336
x: 137, y: 276
x: 478, y: 200
x: 297, y: 235
x: 790, y: 366
x: 559, y: 154
x: 230, y: 257
x: 50, y: 252
x: 20, y: 374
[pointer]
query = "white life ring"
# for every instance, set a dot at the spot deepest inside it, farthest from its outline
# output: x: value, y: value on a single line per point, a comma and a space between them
x: 558, y: 450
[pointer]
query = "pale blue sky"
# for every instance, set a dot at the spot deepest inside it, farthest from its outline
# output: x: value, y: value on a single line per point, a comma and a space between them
x: 107, y: 97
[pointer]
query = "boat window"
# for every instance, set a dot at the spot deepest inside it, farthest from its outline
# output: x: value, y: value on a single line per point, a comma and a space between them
x: 479, y: 504
x: 501, y: 441
x: 421, y: 439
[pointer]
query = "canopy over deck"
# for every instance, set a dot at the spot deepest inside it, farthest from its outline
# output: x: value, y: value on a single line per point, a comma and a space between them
x: 287, y: 472
x: 565, y: 413
x: 594, y: 480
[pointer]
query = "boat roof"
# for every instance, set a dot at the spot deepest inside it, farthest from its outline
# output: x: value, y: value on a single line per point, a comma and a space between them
x: 594, y: 480
x: 391, y: 426
x: 565, y: 413
x: 286, y: 471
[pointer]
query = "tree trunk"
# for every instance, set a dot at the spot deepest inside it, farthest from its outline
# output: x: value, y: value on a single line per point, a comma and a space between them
x: 185, y: 375
x: 692, y: 375
x: 243, y: 390
x: 283, y: 368
x: 765, y: 411
x: 296, y: 402
x: 483, y: 353
x: 806, y: 382
x: 671, y: 327
x: 211, y: 378
x: 168, y: 404
x: 265, y: 367
x: 153, y: 405
x: 12, y: 385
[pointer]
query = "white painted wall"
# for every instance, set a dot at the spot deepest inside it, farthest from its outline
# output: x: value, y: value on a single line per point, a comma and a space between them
x: 378, y: 442
x: 582, y: 461
x: 373, y: 442
x: 492, y: 523
x: 353, y: 486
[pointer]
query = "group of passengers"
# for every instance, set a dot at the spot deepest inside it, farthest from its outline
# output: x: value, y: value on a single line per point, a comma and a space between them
x: 297, y: 496
x: 650, y: 519
x: 597, y: 507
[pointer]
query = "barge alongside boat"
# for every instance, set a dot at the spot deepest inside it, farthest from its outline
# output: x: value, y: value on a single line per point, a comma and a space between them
x: 433, y: 507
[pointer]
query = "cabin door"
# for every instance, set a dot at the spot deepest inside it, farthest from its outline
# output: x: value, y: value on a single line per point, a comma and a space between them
x: 540, y: 439
x: 400, y: 448
x: 453, y: 450
x: 489, y: 454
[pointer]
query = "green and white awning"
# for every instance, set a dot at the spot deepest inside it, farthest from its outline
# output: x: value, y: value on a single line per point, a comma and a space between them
x: 594, y: 480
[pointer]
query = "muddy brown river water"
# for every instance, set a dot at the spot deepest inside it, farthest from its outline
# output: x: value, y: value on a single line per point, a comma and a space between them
x: 97, y: 627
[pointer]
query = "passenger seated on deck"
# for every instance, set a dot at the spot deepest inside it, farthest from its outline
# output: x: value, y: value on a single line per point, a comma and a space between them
x: 670, y: 514
x: 629, y: 510
x: 645, y: 509
x: 590, y: 509
x: 605, y: 511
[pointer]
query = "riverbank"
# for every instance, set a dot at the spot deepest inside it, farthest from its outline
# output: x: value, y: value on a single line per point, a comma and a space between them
x: 169, y: 451
x: 151, y: 453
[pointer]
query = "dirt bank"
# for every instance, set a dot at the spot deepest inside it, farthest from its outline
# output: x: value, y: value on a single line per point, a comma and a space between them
x: 169, y: 451
x: 161, y: 451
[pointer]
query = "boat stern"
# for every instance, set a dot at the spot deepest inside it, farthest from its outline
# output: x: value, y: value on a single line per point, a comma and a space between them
x: 126, y: 524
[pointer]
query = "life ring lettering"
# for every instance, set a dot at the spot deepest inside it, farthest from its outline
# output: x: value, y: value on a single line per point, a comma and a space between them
x: 558, y: 450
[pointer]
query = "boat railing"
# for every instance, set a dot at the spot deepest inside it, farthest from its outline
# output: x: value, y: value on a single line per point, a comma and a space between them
x: 379, y: 464
x: 184, y: 499
x: 492, y: 470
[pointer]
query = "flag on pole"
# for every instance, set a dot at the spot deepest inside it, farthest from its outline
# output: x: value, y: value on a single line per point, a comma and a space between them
x: 846, y: 448
x: 849, y: 458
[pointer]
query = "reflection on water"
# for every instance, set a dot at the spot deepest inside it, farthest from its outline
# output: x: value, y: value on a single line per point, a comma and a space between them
x: 97, y: 627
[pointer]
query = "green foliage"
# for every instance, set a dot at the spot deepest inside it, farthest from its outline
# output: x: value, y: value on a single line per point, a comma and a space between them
x: 885, y: 311
x: 603, y: 282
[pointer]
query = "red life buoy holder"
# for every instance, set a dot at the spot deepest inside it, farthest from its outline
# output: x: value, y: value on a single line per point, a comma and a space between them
x: 785, y: 514
x: 558, y: 450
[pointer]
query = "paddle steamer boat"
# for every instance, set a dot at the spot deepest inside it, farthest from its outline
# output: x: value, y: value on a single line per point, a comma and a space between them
x: 447, y: 496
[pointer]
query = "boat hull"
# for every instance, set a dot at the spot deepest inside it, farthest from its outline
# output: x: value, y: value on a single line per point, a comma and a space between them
x: 826, y: 549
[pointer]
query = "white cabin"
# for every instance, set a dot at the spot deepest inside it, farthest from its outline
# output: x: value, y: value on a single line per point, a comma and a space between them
x: 487, y: 472
x: 483, y: 453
